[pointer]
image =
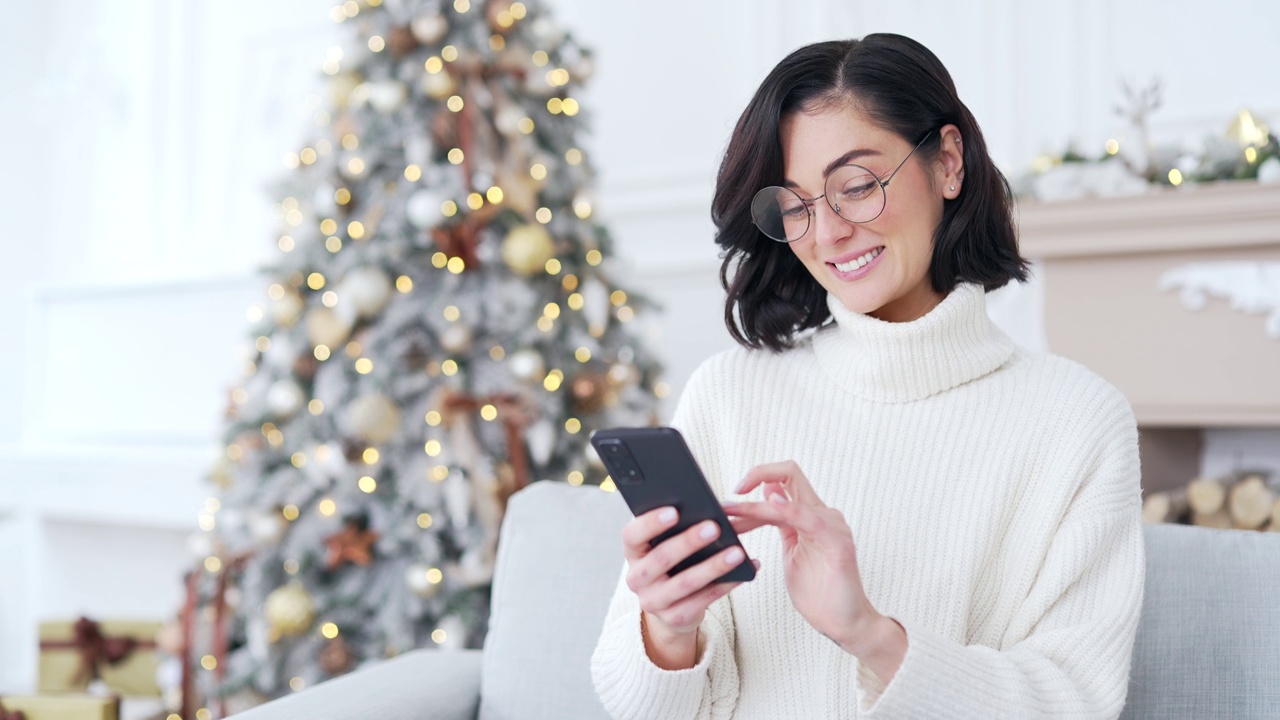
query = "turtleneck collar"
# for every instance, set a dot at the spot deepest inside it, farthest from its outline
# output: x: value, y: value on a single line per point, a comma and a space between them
x: 900, y: 362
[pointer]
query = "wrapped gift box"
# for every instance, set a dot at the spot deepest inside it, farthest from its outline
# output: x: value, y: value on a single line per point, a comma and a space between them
x: 61, y: 707
x: 123, y: 652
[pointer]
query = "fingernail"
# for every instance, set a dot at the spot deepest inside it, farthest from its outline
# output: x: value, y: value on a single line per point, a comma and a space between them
x: 708, y: 531
x: 733, y: 557
x: 741, y: 484
x: 729, y: 503
x: 667, y: 515
x: 777, y: 499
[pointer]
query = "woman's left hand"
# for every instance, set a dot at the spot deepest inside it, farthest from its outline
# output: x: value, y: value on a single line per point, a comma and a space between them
x: 820, y: 562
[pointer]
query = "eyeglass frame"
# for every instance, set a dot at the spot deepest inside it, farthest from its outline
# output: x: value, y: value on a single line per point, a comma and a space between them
x: 810, y: 203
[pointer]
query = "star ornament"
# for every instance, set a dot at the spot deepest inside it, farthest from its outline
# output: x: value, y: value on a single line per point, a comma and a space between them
x: 354, y: 544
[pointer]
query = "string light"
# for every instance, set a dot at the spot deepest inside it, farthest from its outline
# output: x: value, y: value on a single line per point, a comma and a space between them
x: 475, y: 201
x: 545, y: 324
x: 354, y: 350
x: 355, y: 229
x: 626, y: 314
x: 404, y: 284
x: 540, y: 58
x: 315, y: 407
x: 449, y: 53
x: 1113, y: 146
x: 293, y: 217
x: 329, y: 299
x: 377, y: 44
x: 355, y: 166
x: 333, y: 244
x: 538, y: 171
x: 489, y: 412
x: 439, y: 473
x: 618, y: 297
x: 552, y: 310
x: 452, y: 313
x: 367, y: 484
x: 290, y: 512
x: 661, y: 389
x: 608, y: 485
x: 573, y: 156
x: 525, y: 126
x: 212, y: 564
x: 328, y: 507
x: 307, y: 156
x: 424, y: 520
x: 434, y: 418
x: 553, y: 267
x: 350, y: 8
x: 582, y: 354
x: 518, y: 10
x: 315, y: 281
x: 1251, y: 155
x: 449, y: 208
x: 454, y: 103
x: 322, y: 352
x: 570, y: 107
x: 497, y: 42
x: 328, y: 226
x: 497, y: 353
x: 570, y: 282
x: 291, y: 160
x: 572, y: 426
x: 462, y: 6
x: 576, y: 301
x: 457, y: 265
x: 456, y: 156
x: 543, y: 215
x: 370, y: 456
x: 208, y: 662
x: 297, y: 684
x: 555, y: 105
x: 439, y: 636
x: 1175, y: 177
x: 329, y: 630
x: 449, y: 367
x: 575, y: 478
x: 440, y: 260
x: 494, y: 195
x: 553, y: 380
x: 298, y: 459
x: 594, y: 257
x: 413, y: 173
x: 350, y: 141
x: 433, y: 65
x: 364, y: 366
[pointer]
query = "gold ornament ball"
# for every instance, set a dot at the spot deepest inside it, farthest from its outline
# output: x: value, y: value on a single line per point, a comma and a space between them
x: 326, y: 327
x: 527, y: 248
x: 375, y: 418
x: 289, y: 609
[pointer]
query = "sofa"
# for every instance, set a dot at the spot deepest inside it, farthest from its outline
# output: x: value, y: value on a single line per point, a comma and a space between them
x: 1208, y: 645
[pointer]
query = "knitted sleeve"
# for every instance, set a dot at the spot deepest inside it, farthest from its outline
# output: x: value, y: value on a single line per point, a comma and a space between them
x: 628, y: 683
x: 1066, y: 652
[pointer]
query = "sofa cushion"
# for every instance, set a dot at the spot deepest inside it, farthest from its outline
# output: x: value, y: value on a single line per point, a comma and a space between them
x: 559, y: 559
x: 1208, y: 644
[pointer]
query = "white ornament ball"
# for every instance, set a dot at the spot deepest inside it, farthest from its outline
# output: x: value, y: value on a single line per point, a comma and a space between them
x: 325, y: 327
x: 287, y: 309
x: 200, y: 544
x: 456, y: 338
x: 266, y: 528
x: 418, y: 578
x: 507, y: 120
x: 365, y: 291
x: 547, y: 33
x: 387, y: 96
x: 423, y: 208
x: 541, y: 437
x: 438, y: 85
x: 289, y: 609
x: 527, y: 248
x: 527, y: 365
x: 285, y: 398
x: 1269, y: 171
x: 429, y: 28
x: 375, y: 418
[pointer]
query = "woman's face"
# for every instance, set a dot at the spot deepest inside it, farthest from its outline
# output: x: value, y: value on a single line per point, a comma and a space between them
x: 896, y: 247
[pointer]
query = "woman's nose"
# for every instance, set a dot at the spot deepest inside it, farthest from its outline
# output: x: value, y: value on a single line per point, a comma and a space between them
x: 828, y: 227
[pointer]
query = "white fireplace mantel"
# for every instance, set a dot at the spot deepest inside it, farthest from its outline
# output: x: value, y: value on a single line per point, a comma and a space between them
x: 1102, y: 261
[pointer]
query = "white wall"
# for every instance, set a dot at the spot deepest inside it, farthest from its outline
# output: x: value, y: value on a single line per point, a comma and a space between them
x: 140, y: 134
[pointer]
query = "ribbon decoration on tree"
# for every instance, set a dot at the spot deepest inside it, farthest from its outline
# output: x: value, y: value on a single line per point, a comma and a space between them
x: 95, y: 648
x: 10, y: 714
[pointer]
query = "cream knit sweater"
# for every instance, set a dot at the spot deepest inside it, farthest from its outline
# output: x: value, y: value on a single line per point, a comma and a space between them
x: 994, y: 501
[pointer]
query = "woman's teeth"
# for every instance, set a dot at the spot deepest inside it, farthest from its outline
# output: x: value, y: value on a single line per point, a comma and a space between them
x: 858, y: 262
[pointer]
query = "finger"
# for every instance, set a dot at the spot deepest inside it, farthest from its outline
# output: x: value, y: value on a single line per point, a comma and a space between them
x: 654, y: 566
x: 643, y: 528
x: 787, y: 474
x: 683, y: 612
x: 742, y: 525
x: 782, y: 513
x: 673, y: 590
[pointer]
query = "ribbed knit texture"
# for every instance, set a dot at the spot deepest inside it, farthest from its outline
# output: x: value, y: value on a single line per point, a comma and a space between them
x: 994, y: 500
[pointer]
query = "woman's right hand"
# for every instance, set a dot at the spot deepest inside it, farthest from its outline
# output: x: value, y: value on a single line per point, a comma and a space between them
x: 673, y: 607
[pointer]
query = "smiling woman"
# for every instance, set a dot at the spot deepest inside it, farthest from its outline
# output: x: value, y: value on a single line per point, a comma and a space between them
x: 993, y: 492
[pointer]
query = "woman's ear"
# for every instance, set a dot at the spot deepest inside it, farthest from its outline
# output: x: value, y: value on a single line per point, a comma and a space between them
x: 951, y: 162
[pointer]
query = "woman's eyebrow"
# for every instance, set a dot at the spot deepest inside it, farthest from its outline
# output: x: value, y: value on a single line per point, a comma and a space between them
x: 841, y: 161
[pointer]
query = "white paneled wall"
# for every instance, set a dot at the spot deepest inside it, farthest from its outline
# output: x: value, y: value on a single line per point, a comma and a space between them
x: 146, y: 133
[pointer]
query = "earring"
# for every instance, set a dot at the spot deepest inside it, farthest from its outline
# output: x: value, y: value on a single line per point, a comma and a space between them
x: 953, y: 188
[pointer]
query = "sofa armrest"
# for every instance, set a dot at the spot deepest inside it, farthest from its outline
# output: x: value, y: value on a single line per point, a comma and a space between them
x: 433, y: 684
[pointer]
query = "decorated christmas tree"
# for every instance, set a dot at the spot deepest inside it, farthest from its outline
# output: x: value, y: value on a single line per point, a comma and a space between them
x: 440, y: 328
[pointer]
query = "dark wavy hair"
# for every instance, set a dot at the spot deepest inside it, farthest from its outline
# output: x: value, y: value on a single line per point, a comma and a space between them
x: 901, y: 86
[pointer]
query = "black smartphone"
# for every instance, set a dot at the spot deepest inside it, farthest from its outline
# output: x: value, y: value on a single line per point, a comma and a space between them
x: 652, y: 468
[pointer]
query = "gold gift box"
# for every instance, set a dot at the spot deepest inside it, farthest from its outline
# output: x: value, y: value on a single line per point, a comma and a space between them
x: 63, y: 707
x: 60, y: 660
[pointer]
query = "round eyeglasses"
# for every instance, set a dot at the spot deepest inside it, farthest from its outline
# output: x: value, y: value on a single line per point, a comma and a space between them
x: 853, y: 192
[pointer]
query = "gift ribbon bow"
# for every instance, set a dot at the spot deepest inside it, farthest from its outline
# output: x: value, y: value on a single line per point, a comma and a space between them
x: 11, y: 714
x: 94, y: 647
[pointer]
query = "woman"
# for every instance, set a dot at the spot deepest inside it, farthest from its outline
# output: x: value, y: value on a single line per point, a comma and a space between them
x: 956, y: 526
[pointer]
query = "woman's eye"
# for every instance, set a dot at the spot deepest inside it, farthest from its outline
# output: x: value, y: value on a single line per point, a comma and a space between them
x: 857, y: 190
x: 792, y: 212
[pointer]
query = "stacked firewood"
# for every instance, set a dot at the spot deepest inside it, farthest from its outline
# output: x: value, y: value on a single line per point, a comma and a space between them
x: 1239, y: 500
